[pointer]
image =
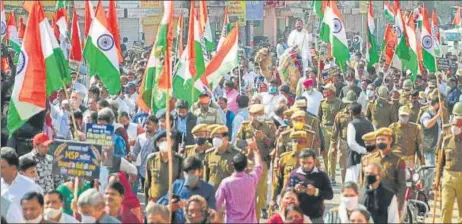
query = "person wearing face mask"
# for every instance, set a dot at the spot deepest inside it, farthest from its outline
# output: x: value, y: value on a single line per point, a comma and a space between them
x: 183, y: 122
x: 380, y: 112
x: 91, y: 206
x: 329, y: 108
x: 192, y: 184
x: 408, y: 138
x: 272, y: 98
x: 372, y: 155
x: 157, y: 168
x: 200, y: 134
x: 313, y: 96
x: 450, y: 168
x: 414, y: 106
x: 453, y: 93
x: 349, y: 201
x: 301, y: 38
x: 32, y: 208
x: 404, y: 99
x: 351, y: 86
x: 380, y: 201
x: 53, y: 208
x: 298, y: 124
x: 264, y: 132
x: 217, y: 161
x: 207, y: 114
x: 312, y: 185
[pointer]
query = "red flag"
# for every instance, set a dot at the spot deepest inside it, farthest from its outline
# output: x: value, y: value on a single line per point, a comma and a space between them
x: 191, y: 52
x: 435, y: 26
x: 89, y: 15
x: 180, y: 35
x: 390, y: 42
x: 21, y: 28
x: 76, y: 49
x: 114, y: 27
x: 55, y: 27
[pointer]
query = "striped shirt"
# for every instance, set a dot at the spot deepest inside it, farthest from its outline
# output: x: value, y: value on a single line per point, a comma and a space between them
x: 238, y: 197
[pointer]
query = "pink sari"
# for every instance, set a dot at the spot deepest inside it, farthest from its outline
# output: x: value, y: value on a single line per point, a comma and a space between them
x: 131, y: 202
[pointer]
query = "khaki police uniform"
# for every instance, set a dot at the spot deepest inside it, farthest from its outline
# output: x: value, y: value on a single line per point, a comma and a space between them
x: 380, y: 112
x: 157, y: 175
x: 313, y: 122
x: 450, y: 166
x: 196, y: 150
x: 327, y: 112
x: 212, y: 116
x: 247, y: 131
x: 408, y: 138
x: 369, y: 139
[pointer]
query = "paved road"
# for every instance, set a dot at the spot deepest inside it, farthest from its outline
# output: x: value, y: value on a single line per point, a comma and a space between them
x: 336, y: 200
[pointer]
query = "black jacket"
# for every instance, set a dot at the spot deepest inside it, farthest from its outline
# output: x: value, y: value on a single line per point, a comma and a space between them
x: 191, y: 121
x: 377, y: 202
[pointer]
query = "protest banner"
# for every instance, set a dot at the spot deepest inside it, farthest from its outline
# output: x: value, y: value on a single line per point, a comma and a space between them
x: 329, y: 74
x: 102, y: 135
x: 77, y: 159
x: 443, y: 63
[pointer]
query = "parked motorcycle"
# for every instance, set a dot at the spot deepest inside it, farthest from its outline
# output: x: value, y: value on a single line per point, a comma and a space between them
x: 415, y: 199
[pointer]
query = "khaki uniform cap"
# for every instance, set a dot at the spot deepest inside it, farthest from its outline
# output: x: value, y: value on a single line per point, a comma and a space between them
x: 382, y: 92
x: 199, y: 128
x: 369, y: 137
x: 298, y: 113
x: 300, y: 103
x: 256, y: 108
x: 211, y: 127
x: 220, y: 129
x: 298, y: 135
x: 457, y: 110
x: 290, y: 111
x: 330, y: 86
x: 422, y: 95
x: 404, y: 110
x: 384, y: 132
x: 407, y: 84
x: 350, y: 97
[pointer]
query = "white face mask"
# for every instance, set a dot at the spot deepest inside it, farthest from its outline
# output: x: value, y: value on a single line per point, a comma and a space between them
x: 217, y: 142
x: 456, y: 130
x: 370, y: 93
x: 36, y: 220
x: 260, y: 118
x: 88, y: 219
x: 403, y: 120
x: 52, y: 213
x: 163, y: 146
x: 350, y: 203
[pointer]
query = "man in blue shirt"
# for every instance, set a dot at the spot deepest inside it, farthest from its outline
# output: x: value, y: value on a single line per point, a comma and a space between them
x: 223, y: 103
x: 192, y: 184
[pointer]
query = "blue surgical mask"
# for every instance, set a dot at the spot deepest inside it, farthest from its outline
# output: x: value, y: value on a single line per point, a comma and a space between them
x: 273, y: 89
x: 191, y: 179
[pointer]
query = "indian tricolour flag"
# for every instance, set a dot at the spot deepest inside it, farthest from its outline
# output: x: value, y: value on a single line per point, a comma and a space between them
x: 402, y: 49
x: 436, y: 32
x: 389, y: 12
x: 412, y: 64
x: 224, y: 29
x: 337, y: 36
x: 101, y: 53
x: 3, y: 21
x: 226, y: 59
x: 12, y: 34
x: 428, y: 45
x: 41, y: 70
x: 206, y: 32
x: 156, y: 82
x: 191, y: 65
x: 372, y: 55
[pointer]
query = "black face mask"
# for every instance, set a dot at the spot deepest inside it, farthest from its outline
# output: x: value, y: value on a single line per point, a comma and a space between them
x: 200, y: 141
x: 370, y: 179
x: 210, y: 140
x: 370, y: 148
x: 382, y: 146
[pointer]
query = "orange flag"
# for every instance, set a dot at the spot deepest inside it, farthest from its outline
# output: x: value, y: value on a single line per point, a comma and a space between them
x: 89, y: 15
x: 389, y: 43
x: 76, y: 49
x: 21, y: 28
x: 114, y: 27
x: 180, y: 35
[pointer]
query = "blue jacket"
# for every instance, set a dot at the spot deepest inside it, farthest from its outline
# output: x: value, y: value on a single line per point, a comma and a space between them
x: 453, y: 98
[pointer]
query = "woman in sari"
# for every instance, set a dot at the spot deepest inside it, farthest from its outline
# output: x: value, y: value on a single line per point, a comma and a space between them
x: 130, y: 202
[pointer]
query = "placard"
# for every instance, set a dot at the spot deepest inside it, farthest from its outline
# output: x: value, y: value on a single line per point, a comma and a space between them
x: 443, y: 63
x: 329, y: 74
x: 102, y: 135
x: 76, y: 159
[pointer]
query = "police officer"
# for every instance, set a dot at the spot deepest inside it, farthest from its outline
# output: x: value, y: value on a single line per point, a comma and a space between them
x: 328, y: 109
x: 200, y: 134
x: 372, y: 155
x: 408, y: 138
x: 157, y: 171
x: 406, y: 93
x: 298, y: 124
x: 287, y: 162
x: 264, y: 133
x: 338, y: 141
x: 380, y: 112
x: 414, y: 105
x: 450, y: 166
x: 457, y: 110
x: 218, y: 159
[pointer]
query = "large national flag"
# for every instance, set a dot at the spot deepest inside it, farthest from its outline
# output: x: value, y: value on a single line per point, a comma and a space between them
x: 224, y: 29
x: 402, y: 49
x: 436, y: 32
x: 372, y: 55
x: 61, y: 20
x: 76, y: 48
x: 226, y: 59
x: 100, y: 52
x: 318, y: 8
x: 206, y: 32
x: 179, y: 36
x: 113, y: 24
x: 389, y: 11
x: 412, y: 64
x: 12, y: 34
x: 192, y: 65
x: 89, y: 16
x: 324, y: 31
x: 156, y: 82
x: 337, y: 36
x: 389, y: 43
x: 41, y: 70
x: 3, y: 21
x: 428, y: 45
x: 457, y: 21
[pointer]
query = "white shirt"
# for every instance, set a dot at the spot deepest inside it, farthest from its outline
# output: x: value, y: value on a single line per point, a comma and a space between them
x: 132, y: 131
x: 65, y: 218
x: 364, y: 101
x: 249, y: 79
x: 80, y: 88
x: 393, y: 215
x: 18, y: 188
x: 131, y: 102
x: 351, y: 139
x: 302, y: 39
x: 314, y: 101
x: 14, y: 214
x: 271, y: 101
x: 279, y: 50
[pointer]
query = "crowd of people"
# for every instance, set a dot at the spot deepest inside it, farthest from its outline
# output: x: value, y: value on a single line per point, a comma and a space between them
x: 249, y: 150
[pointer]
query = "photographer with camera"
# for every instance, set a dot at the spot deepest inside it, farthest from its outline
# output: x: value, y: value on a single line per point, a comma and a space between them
x: 312, y: 185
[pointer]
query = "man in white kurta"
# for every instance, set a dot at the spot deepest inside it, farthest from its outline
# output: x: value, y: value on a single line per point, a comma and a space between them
x: 302, y: 39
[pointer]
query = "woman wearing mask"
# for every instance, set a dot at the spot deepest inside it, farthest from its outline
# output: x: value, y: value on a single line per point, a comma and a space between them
x: 348, y: 203
x: 288, y: 198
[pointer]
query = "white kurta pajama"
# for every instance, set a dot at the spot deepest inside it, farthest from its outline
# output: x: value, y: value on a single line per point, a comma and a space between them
x: 302, y: 39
